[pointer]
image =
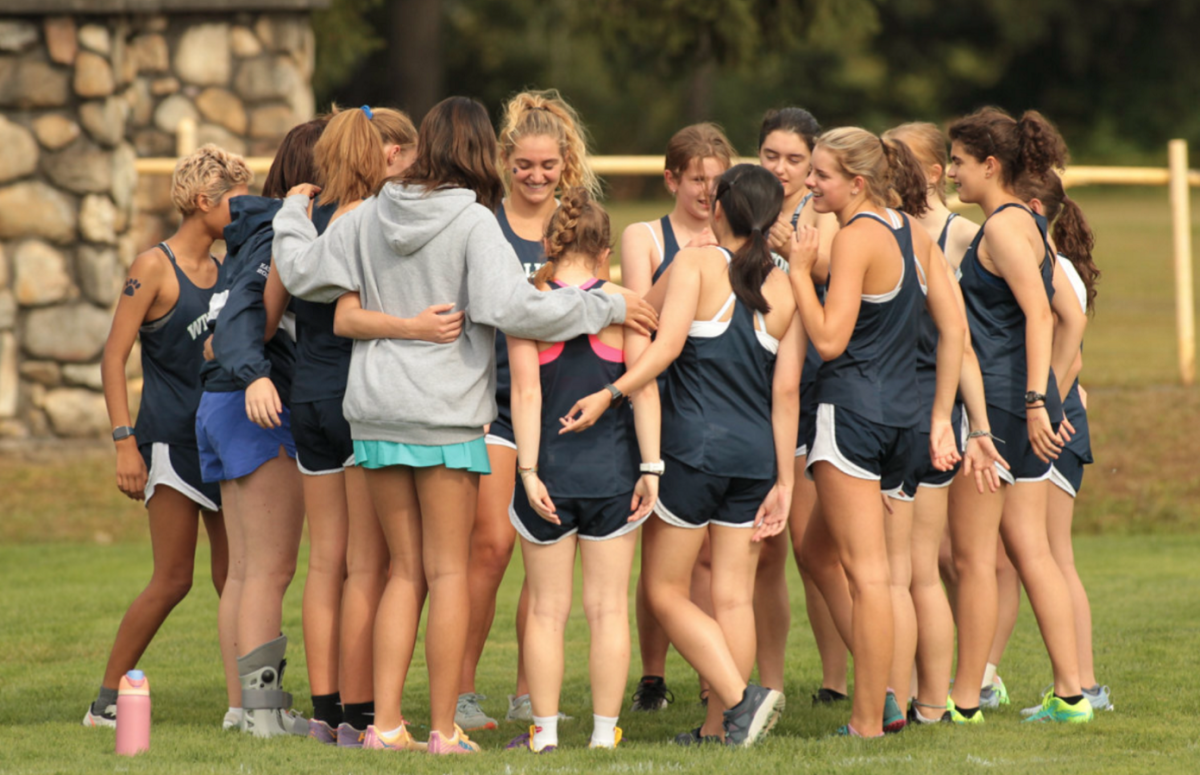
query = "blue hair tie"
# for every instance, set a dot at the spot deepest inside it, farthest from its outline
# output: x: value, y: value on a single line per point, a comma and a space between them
x: 367, y: 109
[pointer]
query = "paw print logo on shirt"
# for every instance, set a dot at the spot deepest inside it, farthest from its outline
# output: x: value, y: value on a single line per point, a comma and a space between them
x: 131, y: 286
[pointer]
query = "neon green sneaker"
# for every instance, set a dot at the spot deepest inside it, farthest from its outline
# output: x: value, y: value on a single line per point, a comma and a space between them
x: 1057, y: 709
x: 959, y: 718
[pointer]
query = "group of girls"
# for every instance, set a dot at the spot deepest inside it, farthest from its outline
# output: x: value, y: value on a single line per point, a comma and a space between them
x: 424, y: 322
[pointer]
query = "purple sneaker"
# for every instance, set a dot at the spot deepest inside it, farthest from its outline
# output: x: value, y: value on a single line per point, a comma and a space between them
x: 525, y: 741
x: 349, y: 737
x: 322, y: 732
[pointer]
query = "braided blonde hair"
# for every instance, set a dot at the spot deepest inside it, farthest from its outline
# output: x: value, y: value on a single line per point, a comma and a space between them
x: 546, y: 114
x: 578, y: 225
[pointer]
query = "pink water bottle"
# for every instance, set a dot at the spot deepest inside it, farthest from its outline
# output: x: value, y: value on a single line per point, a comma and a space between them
x: 133, y: 714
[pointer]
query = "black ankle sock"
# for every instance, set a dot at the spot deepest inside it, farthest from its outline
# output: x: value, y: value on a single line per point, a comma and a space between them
x: 1070, y: 700
x: 359, y: 714
x: 328, y: 708
x: 969, y: 712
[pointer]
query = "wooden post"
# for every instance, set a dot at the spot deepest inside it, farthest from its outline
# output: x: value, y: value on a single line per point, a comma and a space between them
x: 185, y: 137
x: 1181, y: 220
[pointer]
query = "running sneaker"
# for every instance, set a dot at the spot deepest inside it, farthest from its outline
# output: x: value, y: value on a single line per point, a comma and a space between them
x: 959, y: 718
x: 233, y: 719
x: 469, y: 715
x: 751, y: 719
x: 1032, y: 709
x: 349, y: 737
x: 694, y: 737
x: 994, y: 695
x: 519, y: 709
x: 1057, y: 709
x: 401, y: 741
x: 828, y: 697
x: 460, y: 743
x: 916, y: 717
x: 893, y: 717
x: 322, y: 732
x: 1100, y: 697
x: 652, y: 694
x: 524, y: 741
x: 107, y: 718
x: 616, y: 740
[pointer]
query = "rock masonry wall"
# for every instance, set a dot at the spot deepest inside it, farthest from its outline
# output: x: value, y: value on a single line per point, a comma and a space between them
x: 81, y: 97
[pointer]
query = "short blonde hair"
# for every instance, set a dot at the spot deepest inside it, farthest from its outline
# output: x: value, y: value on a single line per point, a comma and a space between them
x: 209, y: 171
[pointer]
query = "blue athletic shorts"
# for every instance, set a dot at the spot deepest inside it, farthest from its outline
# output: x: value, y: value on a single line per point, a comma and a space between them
x: 231, y: 446
x: 592, y: 519
x: 1067, y: 472
x: 863, y: 449
x: 1023, y: 464
x: 177, y: 467
x: 689, y: 497
x: 922, y: 473
x: 322, y: 435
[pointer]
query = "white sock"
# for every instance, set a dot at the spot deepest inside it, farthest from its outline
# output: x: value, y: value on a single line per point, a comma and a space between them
x: 234, y: 710
x: 989, y: 676
x: 604, y: 731
x: 393, y: 733
x: 921, y: 718
x: 545, y: 731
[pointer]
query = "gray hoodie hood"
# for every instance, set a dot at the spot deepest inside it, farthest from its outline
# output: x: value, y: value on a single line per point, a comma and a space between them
x: 410, y: 216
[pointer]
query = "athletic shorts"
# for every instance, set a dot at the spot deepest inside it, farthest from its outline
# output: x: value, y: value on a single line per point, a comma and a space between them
x: 592, y: 519
x: 231, y: 446
x: 807, y: 422
x: 178, y: 468
x: 322, y: 435
x: 922, y: 473
x: 500, y: 434
x: 1023, y: 464
x: 689, y: 497
x: 863, y: 449
x: 1067, y: 472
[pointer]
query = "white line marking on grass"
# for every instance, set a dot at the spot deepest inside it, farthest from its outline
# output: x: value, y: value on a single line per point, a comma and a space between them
x: 853, y: 761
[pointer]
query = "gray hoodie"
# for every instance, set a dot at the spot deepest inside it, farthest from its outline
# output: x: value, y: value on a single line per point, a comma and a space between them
x: 403, y: 251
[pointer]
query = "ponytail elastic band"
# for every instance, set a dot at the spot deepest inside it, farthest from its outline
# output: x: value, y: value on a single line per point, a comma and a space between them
x: 367, y: 109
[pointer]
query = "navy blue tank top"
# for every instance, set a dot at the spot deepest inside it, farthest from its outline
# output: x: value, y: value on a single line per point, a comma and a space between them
x: 997, y: 325
x: 670, y: 247
x: 172, y: 354
x: 322, y: 357
x: 876, y: 376
x: 927, y: 348
x: 532, y: 256
x: 717, y: 413
x: 603, y: 461
x: 812, y: 358
x: 1081, y: 442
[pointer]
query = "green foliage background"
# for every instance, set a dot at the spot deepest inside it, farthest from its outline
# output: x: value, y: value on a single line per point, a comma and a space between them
x: 1119, y: 76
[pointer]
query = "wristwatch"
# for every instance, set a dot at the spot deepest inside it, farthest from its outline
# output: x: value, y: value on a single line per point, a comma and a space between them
x: 617, y: 395
x: 1033, y: 397
x: 121, y: 432
x: 655, y: 469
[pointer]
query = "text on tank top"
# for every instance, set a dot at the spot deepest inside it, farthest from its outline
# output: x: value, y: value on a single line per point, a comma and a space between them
x: 875, y: 377
x: 172, y: 354
x: 603, y: 461
x: 997, y: 325
x: 717, y: 411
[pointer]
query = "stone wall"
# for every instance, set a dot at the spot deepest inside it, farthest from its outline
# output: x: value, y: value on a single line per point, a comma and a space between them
x: 81, y: 97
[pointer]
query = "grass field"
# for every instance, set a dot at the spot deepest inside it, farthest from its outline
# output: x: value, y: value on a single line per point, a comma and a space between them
x: 73, y: 553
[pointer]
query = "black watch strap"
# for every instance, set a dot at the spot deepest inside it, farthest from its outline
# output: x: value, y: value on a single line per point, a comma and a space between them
x: 121, y: 432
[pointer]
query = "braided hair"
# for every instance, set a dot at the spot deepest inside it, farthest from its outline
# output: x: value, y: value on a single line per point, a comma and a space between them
x: 578, y: 225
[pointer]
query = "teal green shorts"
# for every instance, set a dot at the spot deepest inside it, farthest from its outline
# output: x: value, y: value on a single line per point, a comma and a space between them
x: 471, y: 455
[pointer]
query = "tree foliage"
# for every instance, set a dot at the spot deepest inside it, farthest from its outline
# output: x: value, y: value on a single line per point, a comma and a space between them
x: 1120, y: 77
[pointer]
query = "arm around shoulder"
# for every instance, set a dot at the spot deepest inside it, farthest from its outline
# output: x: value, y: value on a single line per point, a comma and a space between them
x: 316, y: 268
